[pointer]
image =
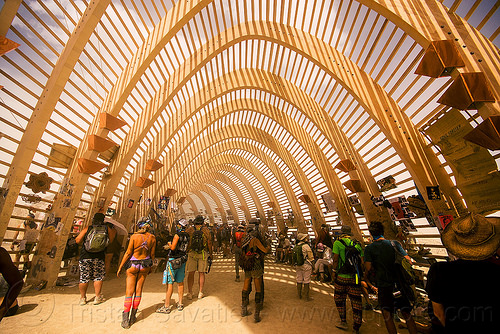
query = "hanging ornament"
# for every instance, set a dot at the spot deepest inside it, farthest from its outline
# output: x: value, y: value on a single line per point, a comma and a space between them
x: 39, y: 183
x: 31, y: 198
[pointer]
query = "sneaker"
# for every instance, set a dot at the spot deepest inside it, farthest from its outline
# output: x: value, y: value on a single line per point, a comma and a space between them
x: 189, y: 296
x: 201, y: 295
x: 342, y: 325
x: 99, y: 299
x: 83, y: 301
x: 164, y: 309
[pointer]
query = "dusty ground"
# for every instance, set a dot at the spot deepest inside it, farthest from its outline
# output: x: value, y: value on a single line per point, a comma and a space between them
x: 57, y: 311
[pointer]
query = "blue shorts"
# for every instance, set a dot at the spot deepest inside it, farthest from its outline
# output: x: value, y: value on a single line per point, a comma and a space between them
x: 176, y: 275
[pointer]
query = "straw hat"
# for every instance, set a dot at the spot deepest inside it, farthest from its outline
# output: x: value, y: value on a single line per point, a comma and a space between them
x: 302, y: 236
x: 472, y: 237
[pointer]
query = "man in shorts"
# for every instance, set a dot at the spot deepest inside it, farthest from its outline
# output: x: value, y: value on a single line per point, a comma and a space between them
x: 92, y: 266
x: 380, y: 256
x: 199, y: 252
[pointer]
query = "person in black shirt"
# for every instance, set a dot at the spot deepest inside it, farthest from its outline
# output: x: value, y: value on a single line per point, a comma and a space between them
x: 380, y: 256
x: 465, y: 293
x: 92, y: 267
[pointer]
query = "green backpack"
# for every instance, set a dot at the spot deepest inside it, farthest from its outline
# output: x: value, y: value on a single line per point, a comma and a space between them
x: 97, y: 239
x: 298, y: 255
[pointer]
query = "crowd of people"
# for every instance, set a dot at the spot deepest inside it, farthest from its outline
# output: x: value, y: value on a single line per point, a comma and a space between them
x: 464, y: 293
x: 352, y: 269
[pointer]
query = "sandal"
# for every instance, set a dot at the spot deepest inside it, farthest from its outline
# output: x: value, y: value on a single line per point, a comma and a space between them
x: 180, y: 307
x: 164, y: 309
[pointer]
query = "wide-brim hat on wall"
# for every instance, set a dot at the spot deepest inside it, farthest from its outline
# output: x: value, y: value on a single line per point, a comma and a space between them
x: 472, y: 237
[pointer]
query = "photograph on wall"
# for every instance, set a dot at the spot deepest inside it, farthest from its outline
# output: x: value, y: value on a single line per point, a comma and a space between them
x: 130, y: 203
x: 163, y: 203
x: 49, y: 222
x: 444, y: 220
x: 329, y: 202
x: 387, y: 183
x: 418, y: 206
x: 378, y: 201
x: 399, y: 208
x: 101, y: 202
x: 353, y: 200
x: 433, y: 193
x: 408, y: 225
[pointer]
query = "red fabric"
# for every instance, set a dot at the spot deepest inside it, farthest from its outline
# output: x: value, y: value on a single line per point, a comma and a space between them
x: 137, y: 301
x: 128, y: 304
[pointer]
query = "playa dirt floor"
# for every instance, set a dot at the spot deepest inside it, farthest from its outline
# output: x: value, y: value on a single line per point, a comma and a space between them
x: 57, y: 310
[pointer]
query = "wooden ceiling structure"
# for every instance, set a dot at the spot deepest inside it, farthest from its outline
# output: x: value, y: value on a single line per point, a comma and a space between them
x: 237, y: 108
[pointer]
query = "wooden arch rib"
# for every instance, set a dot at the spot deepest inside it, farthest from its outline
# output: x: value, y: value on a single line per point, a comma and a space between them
x: 248, y: 187
x: 211, y: 180
x: 203, y: 199
x: 246, y: 165
x: 370, y: 95
x: 215, y: 147
x: 45, y: 106
x: 297, y: 132
x: 224, y: 179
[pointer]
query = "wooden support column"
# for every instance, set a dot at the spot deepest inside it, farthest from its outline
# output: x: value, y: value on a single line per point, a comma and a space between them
x: 43, y: 111
x: 7, y: 14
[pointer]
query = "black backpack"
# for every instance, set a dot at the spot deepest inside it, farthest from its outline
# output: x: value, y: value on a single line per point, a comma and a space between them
x: 198, y: 241
x: 183, y: 243
x: 405, y: 276
x: 352, y: 263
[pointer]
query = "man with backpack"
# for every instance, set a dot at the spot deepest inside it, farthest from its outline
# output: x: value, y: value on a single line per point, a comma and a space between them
x: 303, y: 257
x: 200, y: 249
x: 381, y: 257
x: 238, y: 236
x: 347, y: 264
x: 95, y: 238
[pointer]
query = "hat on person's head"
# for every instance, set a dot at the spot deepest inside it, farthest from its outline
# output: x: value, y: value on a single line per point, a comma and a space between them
x: 183, y: 222
x: 302, y: 236
x: 144, y: 222
x: 254, y: 221
x: 472, y: 237
x: 199, y: 220
x: 345, y: 229
x: 99, y: 217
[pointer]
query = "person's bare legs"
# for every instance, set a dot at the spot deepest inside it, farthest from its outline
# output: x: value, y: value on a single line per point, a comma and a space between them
x: 83, y: 289
x: 170, y: 290
x: 389, y: 322
x: 97, y: 288
x: 180, y: 292
x: 201, y: 280
x: 410, y: 323
x: 190, y: 281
